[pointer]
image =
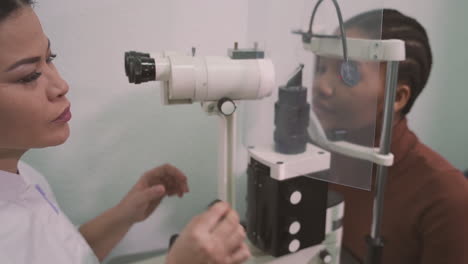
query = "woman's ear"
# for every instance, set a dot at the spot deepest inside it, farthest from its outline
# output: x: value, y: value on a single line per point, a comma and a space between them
x: 402, y: 97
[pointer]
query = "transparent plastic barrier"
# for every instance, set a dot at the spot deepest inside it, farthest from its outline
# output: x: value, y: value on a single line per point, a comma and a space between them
x: 320, y: 76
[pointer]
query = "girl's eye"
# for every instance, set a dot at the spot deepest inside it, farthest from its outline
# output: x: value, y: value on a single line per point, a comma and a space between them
x: 51, y: 58
x: 31, y: 77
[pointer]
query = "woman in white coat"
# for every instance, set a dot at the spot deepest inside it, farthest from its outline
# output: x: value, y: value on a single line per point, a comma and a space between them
x: 34, y: 113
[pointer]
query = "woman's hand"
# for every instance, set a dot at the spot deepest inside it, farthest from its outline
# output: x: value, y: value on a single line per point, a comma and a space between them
x: 214, y: 237
x: 106, y: 230
x: 148, y: 192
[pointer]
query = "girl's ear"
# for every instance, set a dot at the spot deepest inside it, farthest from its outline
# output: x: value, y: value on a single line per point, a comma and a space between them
x: 402, y: 97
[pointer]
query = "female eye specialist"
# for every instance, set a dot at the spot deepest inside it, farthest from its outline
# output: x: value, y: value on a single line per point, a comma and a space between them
x: 34, y: 113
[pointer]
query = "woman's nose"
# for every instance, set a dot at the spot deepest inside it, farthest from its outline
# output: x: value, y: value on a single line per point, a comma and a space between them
x: 322, y: 86
x: 58, y: 87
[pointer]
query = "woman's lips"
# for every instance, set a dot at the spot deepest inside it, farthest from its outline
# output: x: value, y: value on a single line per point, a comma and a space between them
x: 64, y: 117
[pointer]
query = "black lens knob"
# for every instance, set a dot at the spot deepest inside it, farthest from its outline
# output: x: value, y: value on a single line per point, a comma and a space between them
x: 146, y: 70
x: 131, y: 54
x: 139, y: 67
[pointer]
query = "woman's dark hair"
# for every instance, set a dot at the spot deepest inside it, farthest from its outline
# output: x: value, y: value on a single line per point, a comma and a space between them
x: 415, y: 70
x: 8, y: 7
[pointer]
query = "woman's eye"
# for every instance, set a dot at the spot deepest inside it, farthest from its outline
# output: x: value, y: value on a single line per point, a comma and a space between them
x: 51, y: 58
x: 31, y: 77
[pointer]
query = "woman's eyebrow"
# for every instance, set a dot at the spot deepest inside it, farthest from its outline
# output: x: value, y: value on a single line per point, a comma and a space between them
x: 30, y: 60
x: 48, y: 46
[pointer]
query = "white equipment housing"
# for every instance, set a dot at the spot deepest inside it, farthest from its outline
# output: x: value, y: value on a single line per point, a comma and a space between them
x: 188, y: 79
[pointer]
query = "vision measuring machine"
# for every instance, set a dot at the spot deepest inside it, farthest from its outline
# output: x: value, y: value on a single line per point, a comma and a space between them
x: 288, y: 217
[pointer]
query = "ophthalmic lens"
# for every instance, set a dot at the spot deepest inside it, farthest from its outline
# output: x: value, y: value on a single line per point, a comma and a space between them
x: 139, y: 67
x: 131, y: 54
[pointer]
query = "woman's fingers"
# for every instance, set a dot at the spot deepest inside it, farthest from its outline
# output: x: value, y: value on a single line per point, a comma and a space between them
x: 240, y: 256
x: 227, y: 226
x: 235, y: 239
x: 211, y: 217
x: 214, y: 236
x: 174, y: 180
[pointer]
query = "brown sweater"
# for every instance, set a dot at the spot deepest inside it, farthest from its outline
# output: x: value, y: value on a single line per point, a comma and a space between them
x: 425, y: 210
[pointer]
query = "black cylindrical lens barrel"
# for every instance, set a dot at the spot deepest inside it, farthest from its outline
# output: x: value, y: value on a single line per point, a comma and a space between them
x: 291, y: 120
x: 130, y: 54
x: 139, y: 67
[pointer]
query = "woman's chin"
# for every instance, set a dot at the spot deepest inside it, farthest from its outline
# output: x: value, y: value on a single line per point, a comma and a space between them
x: 59, y: 137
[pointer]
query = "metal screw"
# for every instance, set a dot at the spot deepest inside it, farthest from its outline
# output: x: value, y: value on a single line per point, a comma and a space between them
x: 236, y: 45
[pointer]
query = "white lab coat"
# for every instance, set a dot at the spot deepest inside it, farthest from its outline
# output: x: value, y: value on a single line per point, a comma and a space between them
x: 33, y: 229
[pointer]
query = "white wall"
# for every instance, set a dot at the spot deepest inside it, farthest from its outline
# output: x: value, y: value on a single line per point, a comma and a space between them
x: 119, y: 130
x: 439, y: 115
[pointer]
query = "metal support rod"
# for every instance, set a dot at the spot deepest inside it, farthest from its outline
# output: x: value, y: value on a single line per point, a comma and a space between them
x: 381, y: 177
x: 231, y: 188
x: 227, y: 145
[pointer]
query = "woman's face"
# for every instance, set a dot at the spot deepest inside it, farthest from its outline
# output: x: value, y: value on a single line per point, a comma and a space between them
x: 339, y: 106
x: 33, y: 108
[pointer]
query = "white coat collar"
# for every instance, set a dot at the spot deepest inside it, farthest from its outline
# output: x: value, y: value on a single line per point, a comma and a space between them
x: 11, y: 185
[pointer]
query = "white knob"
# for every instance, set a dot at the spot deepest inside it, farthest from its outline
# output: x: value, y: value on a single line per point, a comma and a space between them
x: 295, y: 197
x: 294, y: 228
x: 227, y: 107
x: 294, y: 246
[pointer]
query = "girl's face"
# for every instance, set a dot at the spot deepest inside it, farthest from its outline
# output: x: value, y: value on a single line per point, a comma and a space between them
x: 339, y: 106
x: 33, y: 108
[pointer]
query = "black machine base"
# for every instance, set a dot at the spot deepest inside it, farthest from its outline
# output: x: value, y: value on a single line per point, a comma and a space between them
x: 284, y: 216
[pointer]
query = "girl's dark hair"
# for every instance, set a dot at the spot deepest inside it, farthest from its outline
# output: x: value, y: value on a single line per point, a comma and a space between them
x: 415, y: 70
x: 8, y: 7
